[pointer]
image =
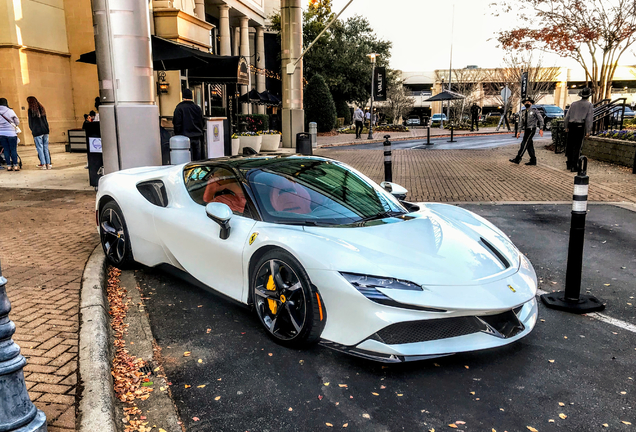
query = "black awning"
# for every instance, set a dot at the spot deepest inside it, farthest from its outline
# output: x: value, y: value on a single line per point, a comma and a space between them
x: 225, y: 70
x: 168, y: 55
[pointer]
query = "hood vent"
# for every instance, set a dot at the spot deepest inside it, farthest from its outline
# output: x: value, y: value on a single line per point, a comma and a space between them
x: 495, y: 252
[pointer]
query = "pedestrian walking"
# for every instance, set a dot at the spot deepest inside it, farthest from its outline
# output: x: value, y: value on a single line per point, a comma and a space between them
x: 507, y: 117
x: 475, y: 110
x: 358, y: 119
x: 367, y: 117
x: 188, y: 121
x: 530, y: 120
x: 40, y: 129
x: 578, y: 125
x: 9, y: 135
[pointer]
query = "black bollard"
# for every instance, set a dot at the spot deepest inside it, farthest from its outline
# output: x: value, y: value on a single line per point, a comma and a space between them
x: 428, y: 136
x: 452, y: 130
x: 16, y: 409
x: 571, y: 300
x: 388, y: 169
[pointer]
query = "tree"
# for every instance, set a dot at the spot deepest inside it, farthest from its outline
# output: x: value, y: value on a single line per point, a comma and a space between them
x: 319, y: 106
x: 541, y: 79
x: 340, y: 55
x: 466, y: 82
x: 397, y: 104
x: 343, y: 111
x: 595, y: 33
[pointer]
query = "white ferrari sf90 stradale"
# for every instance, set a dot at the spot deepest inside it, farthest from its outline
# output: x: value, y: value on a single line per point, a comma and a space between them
x: 324, y: 254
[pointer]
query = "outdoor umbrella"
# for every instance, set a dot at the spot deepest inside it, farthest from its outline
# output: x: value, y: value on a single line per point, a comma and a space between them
x: 252, y: 97
x: 446, y: 95
x: 269, y: 98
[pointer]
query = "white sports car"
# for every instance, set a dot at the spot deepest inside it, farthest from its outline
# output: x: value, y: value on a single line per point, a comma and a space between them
x: 324, y: 254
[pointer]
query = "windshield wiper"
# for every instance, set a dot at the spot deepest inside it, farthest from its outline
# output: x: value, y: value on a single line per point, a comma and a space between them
x: 381, y: 216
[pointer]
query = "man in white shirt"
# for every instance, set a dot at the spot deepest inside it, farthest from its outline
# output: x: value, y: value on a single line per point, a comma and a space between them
x: 358, y: 119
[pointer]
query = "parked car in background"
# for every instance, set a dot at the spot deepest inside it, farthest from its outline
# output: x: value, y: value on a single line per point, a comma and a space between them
x: 413, y: 120
x: 615, y: 119
x: 438, y: 117
x: 549, y: 113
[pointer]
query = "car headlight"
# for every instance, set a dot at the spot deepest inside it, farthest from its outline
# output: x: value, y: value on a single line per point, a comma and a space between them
x: 365, y: 282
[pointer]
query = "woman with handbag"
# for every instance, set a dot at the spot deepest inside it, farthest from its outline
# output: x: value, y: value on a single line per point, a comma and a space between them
x: 40, y: 129
x: 9, y: 131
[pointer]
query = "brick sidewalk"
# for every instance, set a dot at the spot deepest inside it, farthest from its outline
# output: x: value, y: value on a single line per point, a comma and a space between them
x: 47, y: 237
x: 484, y: 175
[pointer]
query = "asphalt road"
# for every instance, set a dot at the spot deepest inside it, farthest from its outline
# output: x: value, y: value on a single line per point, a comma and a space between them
x: 577, y: 361
x: 463, y: 142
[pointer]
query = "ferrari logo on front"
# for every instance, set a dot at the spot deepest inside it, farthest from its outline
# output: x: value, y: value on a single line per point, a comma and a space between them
x: 283, y: 299
x: 253, y: 237
x: 512, y: 289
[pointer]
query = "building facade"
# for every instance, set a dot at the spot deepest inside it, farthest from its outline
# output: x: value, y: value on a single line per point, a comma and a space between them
x: 561, y: 89
x: 41, y: 41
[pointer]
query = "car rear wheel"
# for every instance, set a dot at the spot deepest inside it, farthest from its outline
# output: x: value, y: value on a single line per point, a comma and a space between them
x: 287, y: 304
x: 114, y: 236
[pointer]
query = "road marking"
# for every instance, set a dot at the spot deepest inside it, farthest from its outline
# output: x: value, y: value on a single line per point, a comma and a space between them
x: 604, y: 318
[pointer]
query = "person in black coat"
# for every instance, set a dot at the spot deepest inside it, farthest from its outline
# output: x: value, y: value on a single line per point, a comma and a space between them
x: 188, y: 121
x: 40, y: 129
x: 475, y: 110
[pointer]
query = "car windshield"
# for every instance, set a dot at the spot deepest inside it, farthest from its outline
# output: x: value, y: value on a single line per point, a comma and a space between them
x: 553, y: 109
x: 318, y: 192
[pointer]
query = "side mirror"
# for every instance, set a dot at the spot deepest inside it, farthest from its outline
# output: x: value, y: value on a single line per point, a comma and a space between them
x: 221, y: 214
x: 395, y: 189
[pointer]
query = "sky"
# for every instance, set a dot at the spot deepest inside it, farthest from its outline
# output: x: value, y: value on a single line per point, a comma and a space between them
x: 421, y: 32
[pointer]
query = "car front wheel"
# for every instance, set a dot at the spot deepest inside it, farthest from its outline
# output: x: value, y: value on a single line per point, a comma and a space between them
x: 287, y: 304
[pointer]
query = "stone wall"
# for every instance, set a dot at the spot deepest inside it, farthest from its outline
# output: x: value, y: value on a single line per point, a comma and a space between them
x: 616, y: 151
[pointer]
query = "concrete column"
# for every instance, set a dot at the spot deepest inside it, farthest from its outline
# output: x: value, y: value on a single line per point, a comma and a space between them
x: 237, y: 41
x: 199, y: 9
x: 126, y: 84
x: 245, y: 52
x: 260, y: 63
x: 291, y: 48
x: 224, y: 30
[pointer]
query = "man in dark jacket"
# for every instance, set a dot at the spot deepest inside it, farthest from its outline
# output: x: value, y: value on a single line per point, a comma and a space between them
x: 188, y: 121
x: 475, y: 110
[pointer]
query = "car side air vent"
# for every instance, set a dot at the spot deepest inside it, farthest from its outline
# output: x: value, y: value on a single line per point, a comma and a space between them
x: 154, y: 191
x: 496, y: 252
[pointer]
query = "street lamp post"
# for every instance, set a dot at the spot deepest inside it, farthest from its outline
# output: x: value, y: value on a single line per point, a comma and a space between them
x: 372, y: 56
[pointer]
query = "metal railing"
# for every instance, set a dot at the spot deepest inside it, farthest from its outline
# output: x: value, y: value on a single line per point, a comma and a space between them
x: 608, y: 114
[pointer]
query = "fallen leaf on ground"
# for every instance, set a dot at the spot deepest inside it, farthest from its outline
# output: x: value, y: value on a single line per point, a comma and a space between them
x: 187, y: 354
x: 623, y: 393
x: 366, y: 416
x: 459, y: 422
x: 400, y: 394
x: 605, y: 425
x: 561, y: 404
x: 563, y: 416
x: 625, y: 422
x: 550, y: 421
x: 290, y: 409
x: 201, y: 386
x: 329, y: 424
x: 452, y: 425
x: 342, y: 385
x: 325, y: 384
x: 375, y: 394
x: 270, y: 354
x: 383, y: 387
x: 217, y: 398
x: 531, y: 429
x: 472, y: 393
x: 200, y: 361
x: 345, y: 425
x: 319, y: 397
x: 187, y: 386
x: 195, y: 418
x: 551, y: 361
x: 466, y: 367
x: 208, y: 330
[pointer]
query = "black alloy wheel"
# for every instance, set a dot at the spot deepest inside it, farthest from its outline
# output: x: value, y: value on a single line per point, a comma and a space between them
x: 114, y: 236
x: 286, y: 303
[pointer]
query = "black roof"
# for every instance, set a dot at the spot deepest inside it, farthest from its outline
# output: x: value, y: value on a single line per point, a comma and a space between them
x: 257, y: 160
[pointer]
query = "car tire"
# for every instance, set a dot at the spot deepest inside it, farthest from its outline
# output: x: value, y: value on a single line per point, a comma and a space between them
x: 114, y: 236
x: 286, y: 303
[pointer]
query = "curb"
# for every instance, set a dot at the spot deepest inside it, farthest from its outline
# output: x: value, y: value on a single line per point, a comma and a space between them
x: 96, y: 411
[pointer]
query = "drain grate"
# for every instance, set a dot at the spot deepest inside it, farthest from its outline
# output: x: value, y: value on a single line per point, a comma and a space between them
x: 146, y: 369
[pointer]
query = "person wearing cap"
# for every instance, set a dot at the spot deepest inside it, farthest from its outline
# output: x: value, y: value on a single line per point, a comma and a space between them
x: 188, y: 121
x: 578, y: 125
x: 530, y: 119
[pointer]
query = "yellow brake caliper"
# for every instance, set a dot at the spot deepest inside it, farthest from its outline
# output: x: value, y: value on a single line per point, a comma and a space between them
x: 271, y: 286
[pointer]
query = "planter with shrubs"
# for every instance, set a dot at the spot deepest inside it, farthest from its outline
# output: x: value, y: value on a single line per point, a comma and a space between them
x: 250, y: 139
x: 270, y: 140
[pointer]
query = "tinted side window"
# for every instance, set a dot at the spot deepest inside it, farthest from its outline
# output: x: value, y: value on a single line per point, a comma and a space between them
x: 207, y: 184
x: 154, y: 191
